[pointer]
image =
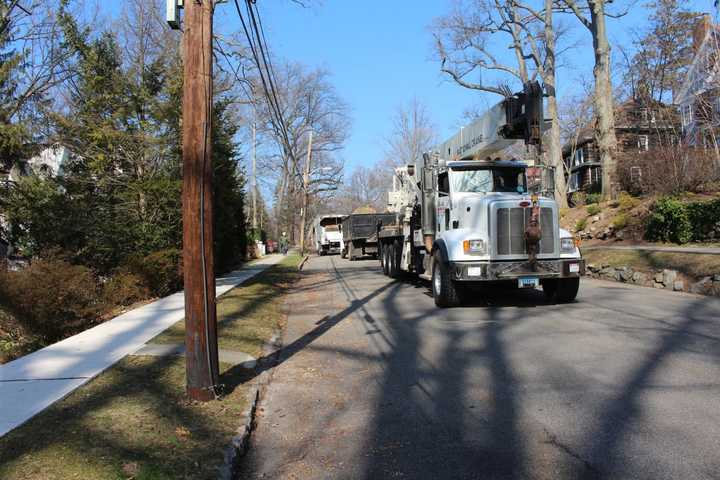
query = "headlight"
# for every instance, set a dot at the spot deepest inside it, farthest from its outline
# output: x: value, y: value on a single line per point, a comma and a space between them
x: 567, y: 245
x: 474, y: 247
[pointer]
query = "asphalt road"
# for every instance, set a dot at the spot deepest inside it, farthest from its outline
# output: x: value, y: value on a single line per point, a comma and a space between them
x: 375, y: 382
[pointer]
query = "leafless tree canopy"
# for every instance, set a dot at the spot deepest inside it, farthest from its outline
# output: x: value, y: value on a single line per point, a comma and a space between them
x: 413, y: 133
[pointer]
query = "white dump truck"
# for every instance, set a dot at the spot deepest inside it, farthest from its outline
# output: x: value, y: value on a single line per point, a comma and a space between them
x: 327, y: 235
x: 465, y: 219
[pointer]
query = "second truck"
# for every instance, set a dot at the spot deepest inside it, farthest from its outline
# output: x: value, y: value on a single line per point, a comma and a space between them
x: 465, y: 219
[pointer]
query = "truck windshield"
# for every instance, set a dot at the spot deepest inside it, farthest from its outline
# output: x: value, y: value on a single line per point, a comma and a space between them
x: 480, y: 180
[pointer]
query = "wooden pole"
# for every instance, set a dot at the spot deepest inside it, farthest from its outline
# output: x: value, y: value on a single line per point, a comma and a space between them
x: 198, y: 263
x: 306, y: 187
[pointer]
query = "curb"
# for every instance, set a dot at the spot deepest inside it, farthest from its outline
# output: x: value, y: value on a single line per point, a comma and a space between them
x: 239, y: 443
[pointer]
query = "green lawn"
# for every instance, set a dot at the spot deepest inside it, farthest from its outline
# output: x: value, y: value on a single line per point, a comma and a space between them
x: 134, y: 422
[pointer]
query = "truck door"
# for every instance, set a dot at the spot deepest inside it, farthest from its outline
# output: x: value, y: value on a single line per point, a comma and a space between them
x: 443, y: 202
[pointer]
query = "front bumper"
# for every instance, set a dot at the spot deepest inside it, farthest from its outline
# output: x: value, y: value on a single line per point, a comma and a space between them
x: 497, y: 271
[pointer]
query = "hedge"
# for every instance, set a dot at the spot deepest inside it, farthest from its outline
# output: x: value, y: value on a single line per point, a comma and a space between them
x: 674, y: 221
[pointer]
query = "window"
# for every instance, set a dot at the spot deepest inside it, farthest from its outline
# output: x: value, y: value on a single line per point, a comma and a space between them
x: 687, y: 115
x: 480, y: 180
x: 643, y: 143
x: 443, y: 184
x: 635, y: 174
x: 579, y: 156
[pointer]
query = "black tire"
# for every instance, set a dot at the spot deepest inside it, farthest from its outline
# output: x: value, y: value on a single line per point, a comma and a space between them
x: 444, y: 290
x: 390, y: 260
x: 567, y: 289
x: 396, y: 258
x: 563, y: 290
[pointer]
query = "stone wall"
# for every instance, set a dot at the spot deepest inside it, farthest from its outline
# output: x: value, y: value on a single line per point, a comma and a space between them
x: 664, y: 279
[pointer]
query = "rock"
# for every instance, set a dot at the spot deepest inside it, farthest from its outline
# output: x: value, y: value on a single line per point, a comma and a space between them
x: 620, y: 235
x: 658, y: 285
x: 702, y: 287
x: 626, y: 274
x: 716, y: 277
x: 596, y: 218
x: 669, y: 277
x: 639, y: 278
x: 678, y: 285
x: 658, y: 277
x: 593, y: 268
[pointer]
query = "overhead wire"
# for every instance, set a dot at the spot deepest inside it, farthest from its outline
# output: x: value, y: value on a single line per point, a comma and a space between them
x: 265, y: 71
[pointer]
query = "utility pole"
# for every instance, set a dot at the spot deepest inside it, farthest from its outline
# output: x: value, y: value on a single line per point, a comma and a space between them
x: 254, y: 181
x: 198, y: 263
x: 306, y: 186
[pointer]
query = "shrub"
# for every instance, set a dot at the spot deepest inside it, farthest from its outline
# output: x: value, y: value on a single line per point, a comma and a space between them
x: 581, y: 224
x: 669, y: 222
x: 160, y: 271
x: 125, y: 288
x: 619, y: 222
x: 667, y: 170
x: 705, y: 220
x: 52, y: 298
x: 578, y: 199
x: 593, y: 209
x: 627, y: 202
x: 592, y: 198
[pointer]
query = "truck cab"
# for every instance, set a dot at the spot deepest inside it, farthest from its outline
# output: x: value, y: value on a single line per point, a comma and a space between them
x: 483, y: 209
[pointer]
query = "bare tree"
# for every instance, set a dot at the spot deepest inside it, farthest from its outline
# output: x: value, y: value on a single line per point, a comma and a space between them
x: 464, y: 43
x: 308, y: 102
x: 603, y: 96
x: 467, y: 40
x: 366, y: 187
x: 413, y: 134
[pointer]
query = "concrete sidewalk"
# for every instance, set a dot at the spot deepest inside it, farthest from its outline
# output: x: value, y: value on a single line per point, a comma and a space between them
x: 652, y: 248
x: 32, y: 383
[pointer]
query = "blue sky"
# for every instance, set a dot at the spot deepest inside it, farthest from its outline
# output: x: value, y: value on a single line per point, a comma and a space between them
x: 380, y: 55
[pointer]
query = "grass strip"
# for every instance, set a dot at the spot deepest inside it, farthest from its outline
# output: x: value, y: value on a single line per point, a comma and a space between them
x: 134, y: 421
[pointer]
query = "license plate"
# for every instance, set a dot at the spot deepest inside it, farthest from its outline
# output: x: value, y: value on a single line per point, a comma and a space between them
x: 474, y: 271
x: 574, y: 268
x: 528, y: 282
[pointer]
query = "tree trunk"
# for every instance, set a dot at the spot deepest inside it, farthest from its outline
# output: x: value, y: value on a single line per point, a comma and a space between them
x: 603, y: 101
x: 554, y: 144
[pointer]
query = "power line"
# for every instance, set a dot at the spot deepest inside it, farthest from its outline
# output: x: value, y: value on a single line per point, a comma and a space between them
x: 258, y: 51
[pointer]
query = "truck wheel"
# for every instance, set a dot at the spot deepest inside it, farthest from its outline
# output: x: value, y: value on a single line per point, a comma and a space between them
x: 390, y: 260
x: 343, y: 253
x: 396, y: 258
x: 563, y: 290
x: 444, y: 290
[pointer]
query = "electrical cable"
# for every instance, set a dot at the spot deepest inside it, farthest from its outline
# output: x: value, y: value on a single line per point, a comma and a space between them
x: 272, y: 99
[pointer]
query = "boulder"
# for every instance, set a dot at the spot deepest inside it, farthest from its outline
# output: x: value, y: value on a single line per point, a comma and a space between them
x: 626, y: 274
x: 639, y: 278
x: 658, y: 277
x: 669, y: 277
x: 703, y: 287
x: 678, y: 285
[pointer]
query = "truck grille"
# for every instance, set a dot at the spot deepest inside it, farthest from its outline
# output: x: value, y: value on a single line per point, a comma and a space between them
x: 511, y: 224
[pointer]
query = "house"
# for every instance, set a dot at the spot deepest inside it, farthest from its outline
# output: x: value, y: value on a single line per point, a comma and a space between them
x: 698, y: 98
x: 639, y: 126
x: 49, y: 162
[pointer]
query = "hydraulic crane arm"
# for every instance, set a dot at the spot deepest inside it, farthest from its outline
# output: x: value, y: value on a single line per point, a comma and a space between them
x: 517, y: 117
